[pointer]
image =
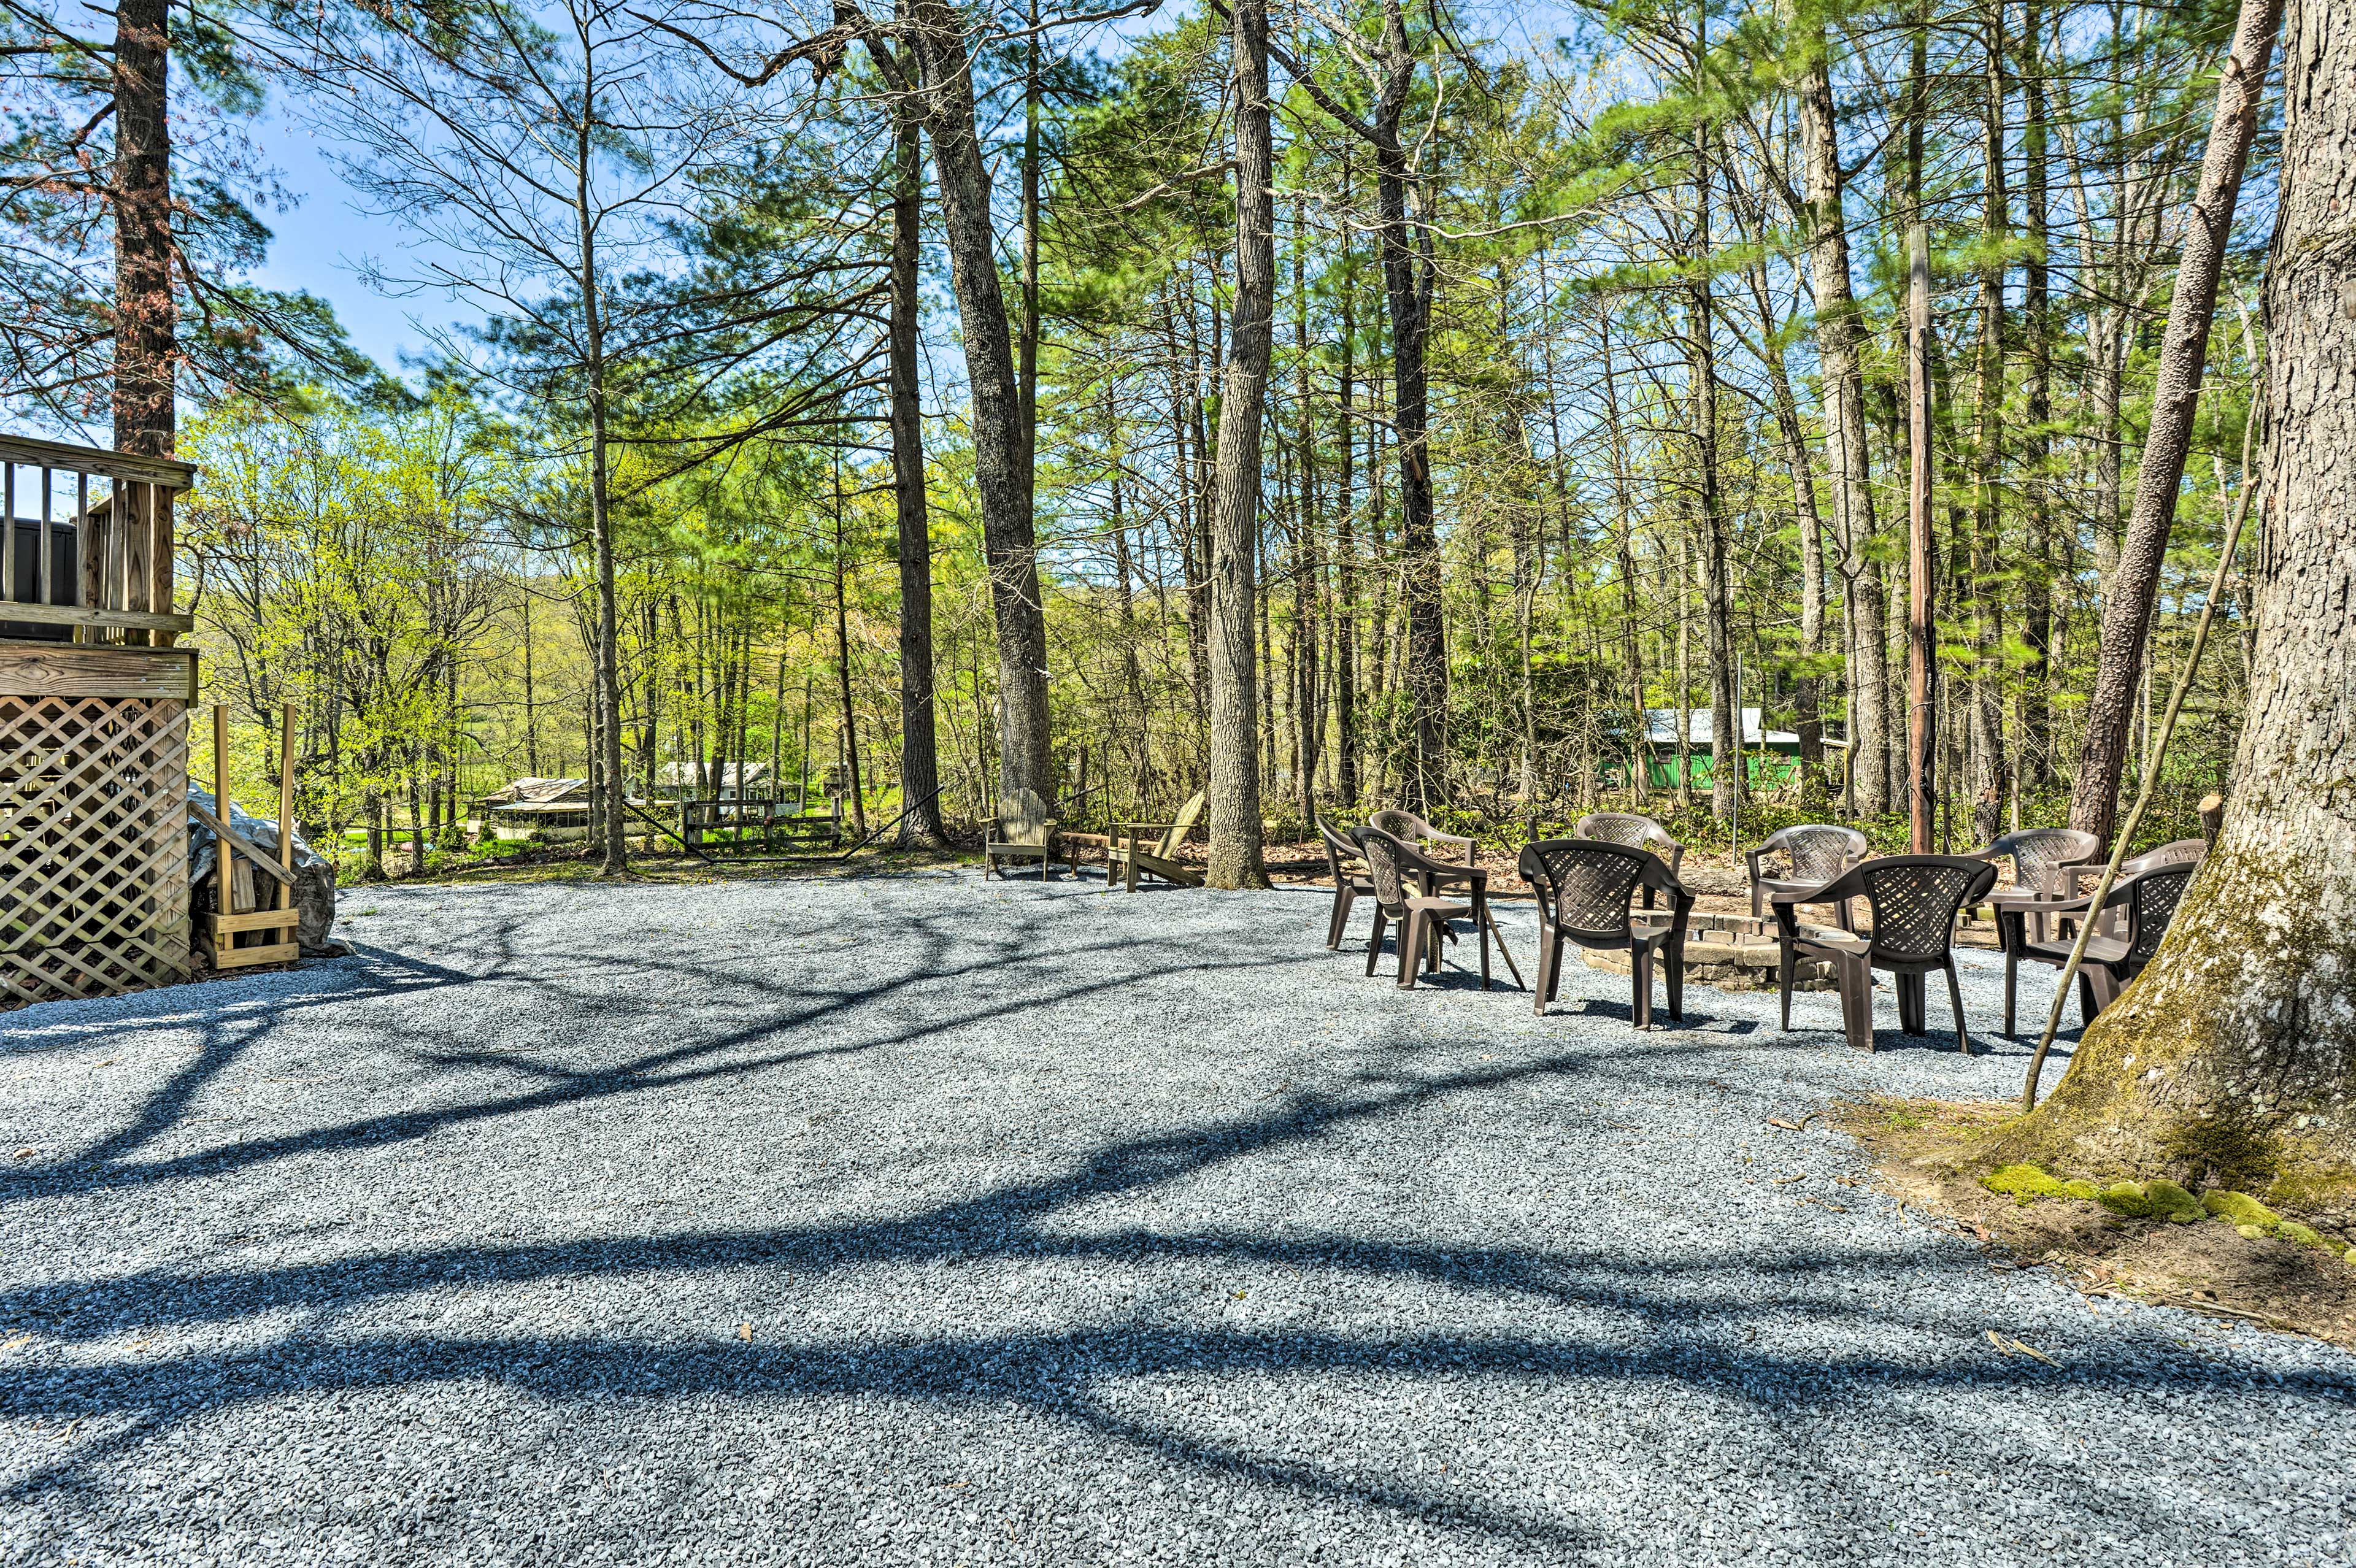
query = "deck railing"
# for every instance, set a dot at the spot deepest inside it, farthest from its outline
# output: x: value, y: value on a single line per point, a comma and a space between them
x: 87, y: 543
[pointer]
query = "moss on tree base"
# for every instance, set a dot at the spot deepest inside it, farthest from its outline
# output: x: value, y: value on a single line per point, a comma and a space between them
x: 2224, y: 1253
x: 2232, y: 1061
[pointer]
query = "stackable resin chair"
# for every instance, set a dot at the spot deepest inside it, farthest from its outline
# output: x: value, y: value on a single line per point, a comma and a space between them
x: 1409, y: 828
x: 1584, y: 887
x: 1350, y: 885
x: 1395, y: 869
x: 2044, y: 860
x: 2134, y: 917
x: 2081, y: 878
x: 1818, y: 853
x: 1914, y: 901
x: 1637, y: 832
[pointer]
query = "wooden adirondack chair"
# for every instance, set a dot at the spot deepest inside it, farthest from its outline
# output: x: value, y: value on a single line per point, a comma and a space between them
x: 1132, y: 851
x: 1024, y: 831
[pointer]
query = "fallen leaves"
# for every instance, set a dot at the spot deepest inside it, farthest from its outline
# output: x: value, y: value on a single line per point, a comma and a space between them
x: 745, y: 1332
x: 2005, y: 1347
x: 1785, y: 1180
x: 27, y: 1152
x: 1799, y: 1127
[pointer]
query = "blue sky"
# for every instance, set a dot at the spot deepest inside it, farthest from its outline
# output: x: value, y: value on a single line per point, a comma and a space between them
x: 321, y: 241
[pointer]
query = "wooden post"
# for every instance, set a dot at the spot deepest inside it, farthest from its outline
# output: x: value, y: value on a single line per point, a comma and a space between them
x: 276, y: 916
x: 1918, y: 653
x: 285, y: 805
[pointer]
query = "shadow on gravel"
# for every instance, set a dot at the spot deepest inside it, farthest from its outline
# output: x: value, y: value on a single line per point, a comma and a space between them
x: 1688, y: 1334
x: 1691, y: 1335
x: 551, y: 1082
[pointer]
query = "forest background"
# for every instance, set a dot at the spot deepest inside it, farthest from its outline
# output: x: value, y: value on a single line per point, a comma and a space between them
x: 1587, y: 397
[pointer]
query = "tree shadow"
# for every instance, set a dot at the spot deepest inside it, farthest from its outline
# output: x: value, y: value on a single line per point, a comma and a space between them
x: 1070, y: 1375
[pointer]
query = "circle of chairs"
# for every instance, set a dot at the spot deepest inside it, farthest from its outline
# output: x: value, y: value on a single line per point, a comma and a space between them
x: 1614, y: 886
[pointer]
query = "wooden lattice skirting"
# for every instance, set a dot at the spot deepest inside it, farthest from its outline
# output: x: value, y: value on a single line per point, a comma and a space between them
x: 93, y: 845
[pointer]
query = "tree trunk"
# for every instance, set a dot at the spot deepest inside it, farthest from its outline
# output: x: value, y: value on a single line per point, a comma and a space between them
x: 145, y: 353
x: 607, y: 723
x: 842, y: 672
x: 1839, y: 337
x: 1407, y: 278
x: 2233, y: 1059
x: 1002, y: 474
x: 919, y: 756
x: 1990, y: 771
x: 2034, y: 754
x: 1234, y: 804
x: 1308, y: 676
x: 1625, y: 536
x: 1920, y: 631
x: 1717, y: 607
x: 1346, y: 552
x: 2184, y: 352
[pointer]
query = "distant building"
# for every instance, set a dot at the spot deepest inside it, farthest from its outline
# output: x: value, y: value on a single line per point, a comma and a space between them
x: 1770, y: 757
x: 544, y: 808
x: 735, y: 781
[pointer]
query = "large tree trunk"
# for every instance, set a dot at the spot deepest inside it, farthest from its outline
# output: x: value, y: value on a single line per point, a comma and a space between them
x: 919, y: 758
x: 144, y: 317
x: 1345, y: 554
x: 1001, y: 440
x: 2233, y: 1058
x: 2184, y: 353
x: 1839, y: 335
x: 1234, y: 804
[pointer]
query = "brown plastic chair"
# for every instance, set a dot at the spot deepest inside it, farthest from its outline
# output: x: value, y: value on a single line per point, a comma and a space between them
x: 1348, y: 885
x: 1422, y: 922
x: 2081, y: 878
x: 1914, y: 900
x: 2141, y: 905
x: 2043, y: 859
x: 1818, y: 852
x: 1637, y: 833
x: 1584, y: 886
x: 1409, y: 828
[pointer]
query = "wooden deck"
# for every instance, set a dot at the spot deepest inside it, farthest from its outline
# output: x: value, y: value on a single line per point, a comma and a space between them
x: 93, y: 723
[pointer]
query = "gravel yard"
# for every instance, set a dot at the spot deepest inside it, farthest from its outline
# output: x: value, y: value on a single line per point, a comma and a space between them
x: 907, y: 1218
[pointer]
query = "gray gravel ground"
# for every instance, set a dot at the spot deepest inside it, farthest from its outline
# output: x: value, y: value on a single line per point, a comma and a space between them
x: 911, y: 1219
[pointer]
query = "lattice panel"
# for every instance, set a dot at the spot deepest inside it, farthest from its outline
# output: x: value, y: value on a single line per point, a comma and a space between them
x: 93, y: 845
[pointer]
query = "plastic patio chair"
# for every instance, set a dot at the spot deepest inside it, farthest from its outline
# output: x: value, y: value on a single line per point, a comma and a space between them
x: 1635, y: 831
x: 1349, y: 886
x: 1422, y: 922
x: 2043, y: 862
x: 1818, y: 852
x: 2141, y: 906
x: 1584, y: 886
x: 1914, y: 901
x: 1409, y: 828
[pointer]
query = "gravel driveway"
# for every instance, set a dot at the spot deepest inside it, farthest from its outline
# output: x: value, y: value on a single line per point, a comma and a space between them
x: 908, y: 1218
